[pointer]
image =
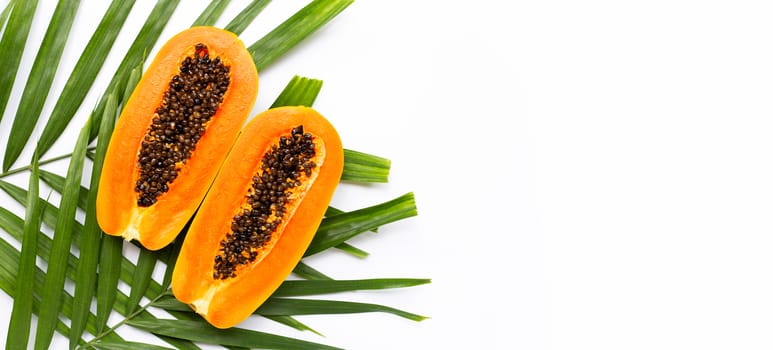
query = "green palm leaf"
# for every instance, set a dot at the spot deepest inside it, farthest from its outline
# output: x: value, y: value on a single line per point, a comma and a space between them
x: 5, y: 13
x: 39, y: 80
x: 171, y: 258
x: 211, y: 13
x: 85, y: 279
x: 300, y: 91
x: 62, y: 238
x: 143, y: 43
x: 102, y: 345
x: 305, y: 271
x: 201, y: 331
x: 291, y: 307
x: 315, y: 287
x: 12, y: 224
x: 12, y: 46
x: 56, y: 182
x: 102, y: 253
x: 337, y: 229
x: 143, y: 273
x: 21, y: 315
x: 110, y: 256
x: 85, y: 72
x: 292, y: 323
x: 9, y: 259
x: 245, y: 18
x: 131, y: 84
x: 363, y: 167
x: 296, y: 28
x: 288, y: 306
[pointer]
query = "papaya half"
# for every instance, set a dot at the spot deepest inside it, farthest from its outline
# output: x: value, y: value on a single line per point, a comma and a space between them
x: 260, y: 214
x: 174, y: 133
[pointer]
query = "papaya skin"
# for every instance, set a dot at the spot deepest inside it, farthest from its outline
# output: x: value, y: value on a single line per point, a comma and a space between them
x: 226, y: 302
x: 157, y: 225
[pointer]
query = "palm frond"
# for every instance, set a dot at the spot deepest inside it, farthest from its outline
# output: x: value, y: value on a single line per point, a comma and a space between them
x: 211, y: 13
x: 5, y: 13
x: 143, y: 273
x: 363, y: 167
x: 300, y: 91
x: 337, y: 229
x: 135, y: 56
x: 200, y: 331
x: 12, y: 45
x: 290, y: 306
x: 104, y: 345
x: 245, y: 18
x: 305, y: 271
x: 85, y: 72
x: 9, y: 258
x: 292, y: 322
x: 57, y: 266
x: 21, y: 314
x: 101, y: 263
x: 39, y: 80
x: 292, y: 288
x: 85, y: 276
x: 294, y: 30
x: 110, y: 257
x: 131, y: 84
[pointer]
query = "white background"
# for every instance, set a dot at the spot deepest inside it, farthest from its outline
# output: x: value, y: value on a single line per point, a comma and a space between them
x: 589, y: 175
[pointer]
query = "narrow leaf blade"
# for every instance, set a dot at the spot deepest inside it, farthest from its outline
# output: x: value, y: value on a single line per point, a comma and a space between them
x: 21, y: 314
x: 131, y: 84
x: 143, y: 43
x: 12, y: 46
x: 363, y: 167
x: 86, y: 279
x: 85, y: 72
x: 143, y: 273
x: 315, y: 287
x: 110, y: 257
x: 129, y: 345
x: 305, y: 271
x: 211, y: 13
x: 39, y: 80
x: 56, y: 182
x: 172, y: 258
x: 337, y: 229
x: 299, y: 91
x: 57, y: 262
x: 348, y: 248
x: 245, y: 18
x: 296, y: 28
x: 201, y: 331
x: 9, y: 259
x: 286, y: 306
x: 292, y: 323
x: 5, y: 13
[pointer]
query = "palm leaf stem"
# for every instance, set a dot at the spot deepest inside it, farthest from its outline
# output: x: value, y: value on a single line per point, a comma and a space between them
x: 42, y: 162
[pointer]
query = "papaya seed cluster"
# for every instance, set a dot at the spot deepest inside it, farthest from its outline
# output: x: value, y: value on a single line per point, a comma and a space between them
x: 192, y: 98
x: 284, y: 167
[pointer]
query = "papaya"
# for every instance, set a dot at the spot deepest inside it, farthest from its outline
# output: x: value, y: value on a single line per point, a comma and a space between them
x: 260, y: 214
x: 174, y: 133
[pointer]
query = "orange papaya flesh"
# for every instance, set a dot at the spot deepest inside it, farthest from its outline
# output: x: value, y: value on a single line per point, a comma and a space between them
x: 174, y: 133
x: 260, y: 215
